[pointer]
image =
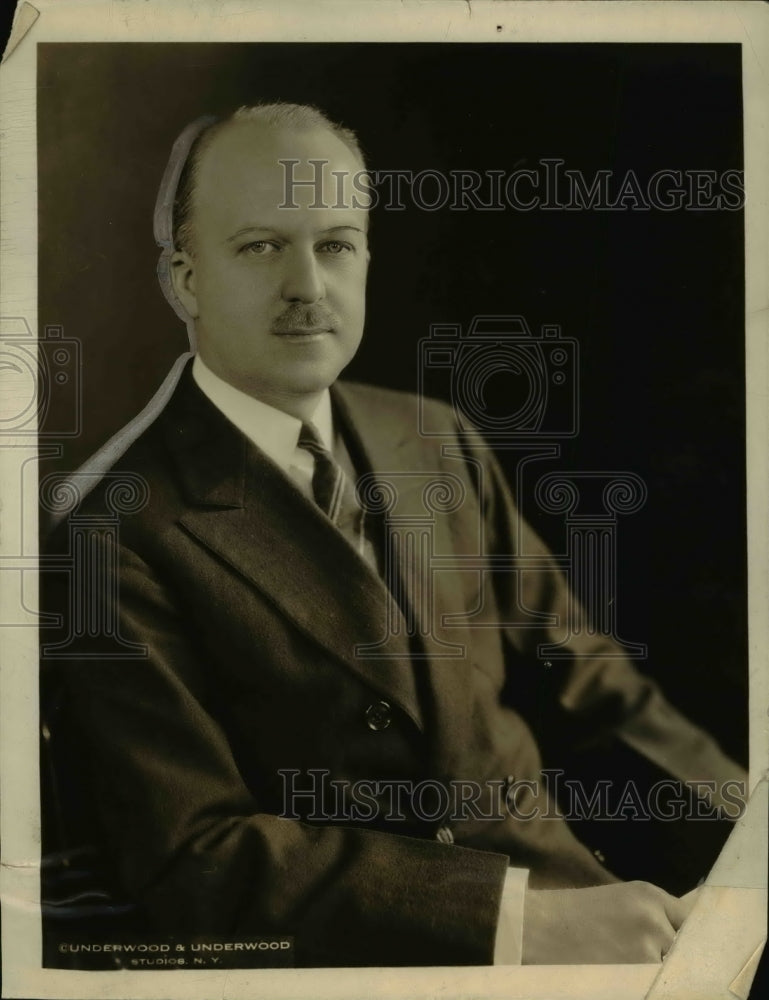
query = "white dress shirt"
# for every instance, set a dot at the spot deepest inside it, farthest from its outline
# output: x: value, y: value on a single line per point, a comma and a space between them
x: 277, y: 434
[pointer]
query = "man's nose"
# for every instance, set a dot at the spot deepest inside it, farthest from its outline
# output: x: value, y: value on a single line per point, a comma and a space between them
x: 302, y: 277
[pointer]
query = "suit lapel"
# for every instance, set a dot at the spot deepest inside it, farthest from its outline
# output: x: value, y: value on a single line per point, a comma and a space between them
x: 441, y: 655
x: 248, y: 512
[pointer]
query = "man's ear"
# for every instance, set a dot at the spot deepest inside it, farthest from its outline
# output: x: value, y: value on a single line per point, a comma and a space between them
x: 183, y: 281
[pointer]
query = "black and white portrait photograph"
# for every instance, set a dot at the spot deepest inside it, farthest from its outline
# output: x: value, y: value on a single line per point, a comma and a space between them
x: 385, y: 437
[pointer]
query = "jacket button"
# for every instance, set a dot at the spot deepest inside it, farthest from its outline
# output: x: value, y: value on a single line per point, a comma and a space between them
x: 378, y: 716
x: 444, y: 835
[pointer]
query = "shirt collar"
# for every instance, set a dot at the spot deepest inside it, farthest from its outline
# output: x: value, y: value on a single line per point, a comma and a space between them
x: 276, y: 433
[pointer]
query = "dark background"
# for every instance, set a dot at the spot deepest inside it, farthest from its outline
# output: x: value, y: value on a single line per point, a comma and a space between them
x: 655, y: 299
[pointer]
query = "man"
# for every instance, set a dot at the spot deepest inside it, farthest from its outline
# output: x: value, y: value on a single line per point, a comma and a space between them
x: 290, y: 636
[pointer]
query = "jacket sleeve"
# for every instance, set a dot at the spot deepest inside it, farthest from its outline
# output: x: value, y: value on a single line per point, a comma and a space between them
x: 590, y: 693
x: 189, y: 839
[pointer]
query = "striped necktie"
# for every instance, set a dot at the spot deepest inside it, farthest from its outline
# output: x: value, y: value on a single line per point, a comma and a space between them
x: 330, y: 486
x: 335, y: 495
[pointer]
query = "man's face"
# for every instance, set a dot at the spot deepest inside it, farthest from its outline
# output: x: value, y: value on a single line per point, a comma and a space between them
x: 277, y: 294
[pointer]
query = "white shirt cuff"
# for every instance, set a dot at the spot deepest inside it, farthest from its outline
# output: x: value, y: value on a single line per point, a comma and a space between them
x: 508, y: 945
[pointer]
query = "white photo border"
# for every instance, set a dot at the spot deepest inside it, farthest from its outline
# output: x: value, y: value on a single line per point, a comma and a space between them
x: 736, y: 892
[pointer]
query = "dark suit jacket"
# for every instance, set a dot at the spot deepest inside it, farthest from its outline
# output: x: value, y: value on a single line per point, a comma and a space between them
x: 253, y: 609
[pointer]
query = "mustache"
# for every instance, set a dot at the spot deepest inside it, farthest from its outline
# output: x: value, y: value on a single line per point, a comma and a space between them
x: 301, y: 317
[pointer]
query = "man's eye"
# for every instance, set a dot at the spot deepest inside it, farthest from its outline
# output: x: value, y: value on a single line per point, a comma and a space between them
x: 335, y: 247
x: 259, y: 248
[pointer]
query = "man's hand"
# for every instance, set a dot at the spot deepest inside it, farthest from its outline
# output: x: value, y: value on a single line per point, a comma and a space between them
x: 625, y: 923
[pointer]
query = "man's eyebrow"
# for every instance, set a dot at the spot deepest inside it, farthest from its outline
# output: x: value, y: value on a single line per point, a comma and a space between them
x: 252, y: 228
x: 256, y: 228
x: 336, y: 229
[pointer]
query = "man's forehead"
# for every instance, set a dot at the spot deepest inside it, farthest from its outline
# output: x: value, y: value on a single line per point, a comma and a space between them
x: 255, y: 145
x: 279, y: 167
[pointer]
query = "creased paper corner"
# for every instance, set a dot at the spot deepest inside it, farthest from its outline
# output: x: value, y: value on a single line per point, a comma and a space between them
x: 23, y: 19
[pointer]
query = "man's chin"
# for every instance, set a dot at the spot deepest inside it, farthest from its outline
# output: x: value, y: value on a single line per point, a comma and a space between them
x: 301, y: 371
x: 311, y: 376
x: 286, y: 394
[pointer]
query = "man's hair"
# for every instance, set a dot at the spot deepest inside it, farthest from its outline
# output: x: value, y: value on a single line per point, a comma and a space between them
x: 279, y: 115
